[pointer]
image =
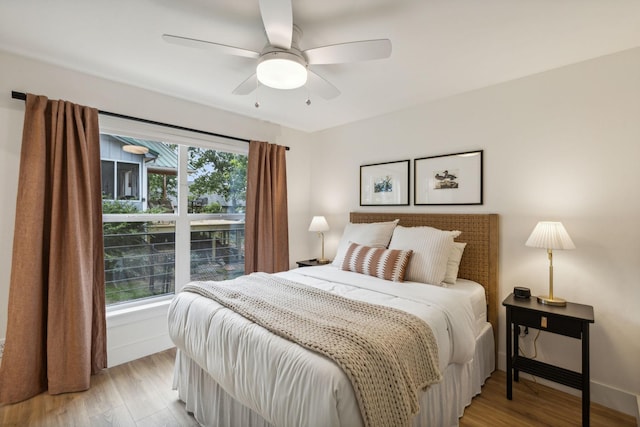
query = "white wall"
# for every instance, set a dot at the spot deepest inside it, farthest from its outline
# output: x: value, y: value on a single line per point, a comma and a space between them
x: 562, y: 145
x: 127, y: 341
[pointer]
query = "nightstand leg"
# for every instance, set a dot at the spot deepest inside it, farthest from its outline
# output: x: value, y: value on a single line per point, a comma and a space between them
x: 586, y: 389
x: 509, y: 350
x: 516, y: 347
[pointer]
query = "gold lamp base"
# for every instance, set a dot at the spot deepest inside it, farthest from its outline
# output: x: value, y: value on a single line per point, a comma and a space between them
x: 559, y: 302
x: 324, y: 261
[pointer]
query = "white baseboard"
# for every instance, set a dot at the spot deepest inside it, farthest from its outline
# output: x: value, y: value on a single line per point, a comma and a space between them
x: 603, y: 394
x: 614, y: 398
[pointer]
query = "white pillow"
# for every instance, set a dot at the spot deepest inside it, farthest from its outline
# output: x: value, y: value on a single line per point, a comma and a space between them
x: 374, y: 234
x: 453, y: 263
x: 431, y: 248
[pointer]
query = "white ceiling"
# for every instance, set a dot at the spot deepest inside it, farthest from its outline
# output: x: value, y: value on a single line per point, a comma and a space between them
x: 440, y: 47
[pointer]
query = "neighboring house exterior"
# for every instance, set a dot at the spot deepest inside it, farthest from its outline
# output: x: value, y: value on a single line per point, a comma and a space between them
x: 125, y: 174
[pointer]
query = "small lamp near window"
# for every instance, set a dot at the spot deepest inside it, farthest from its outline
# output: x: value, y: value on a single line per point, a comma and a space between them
x: 550, y: 235
x: 319, y: 224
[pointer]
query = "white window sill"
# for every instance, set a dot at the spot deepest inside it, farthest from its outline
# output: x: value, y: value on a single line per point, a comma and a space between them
x: 127, y: 315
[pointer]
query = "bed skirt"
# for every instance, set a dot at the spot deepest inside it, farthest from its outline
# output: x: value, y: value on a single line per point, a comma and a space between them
x: 441, y: 405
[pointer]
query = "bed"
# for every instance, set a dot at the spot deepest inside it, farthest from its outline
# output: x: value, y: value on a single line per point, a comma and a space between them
x: 230, y: 371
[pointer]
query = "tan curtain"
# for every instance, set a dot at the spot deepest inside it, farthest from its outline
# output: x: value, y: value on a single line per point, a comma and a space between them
x: 56, y: 332
x: 266, y: 220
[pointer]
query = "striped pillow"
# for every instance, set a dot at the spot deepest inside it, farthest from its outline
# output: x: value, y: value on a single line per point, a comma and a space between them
x: 387, y: 264
x: 431, y: 248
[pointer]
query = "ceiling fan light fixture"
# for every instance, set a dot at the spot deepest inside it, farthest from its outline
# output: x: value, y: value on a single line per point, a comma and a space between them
x: 135, y: 149
x: 282, y: 70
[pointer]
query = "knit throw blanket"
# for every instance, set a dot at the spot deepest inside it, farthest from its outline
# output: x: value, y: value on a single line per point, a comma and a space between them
x: 388, y: 355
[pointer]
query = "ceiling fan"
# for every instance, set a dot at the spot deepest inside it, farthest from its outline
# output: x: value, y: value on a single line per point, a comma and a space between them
x: 281, y: 64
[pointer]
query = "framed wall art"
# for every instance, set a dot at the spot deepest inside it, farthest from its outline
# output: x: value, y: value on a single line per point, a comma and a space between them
x: 450, y: 179
x: 385, y: 184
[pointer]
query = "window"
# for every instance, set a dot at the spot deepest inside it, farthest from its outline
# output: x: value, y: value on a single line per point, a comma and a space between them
x: 126, y: 180
x: 156, y: 237
x: 108, y: 179
x: 139, y: 260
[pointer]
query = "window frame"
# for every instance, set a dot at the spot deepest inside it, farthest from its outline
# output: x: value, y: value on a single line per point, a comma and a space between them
x: 181, y: 217
x: 115, y: 179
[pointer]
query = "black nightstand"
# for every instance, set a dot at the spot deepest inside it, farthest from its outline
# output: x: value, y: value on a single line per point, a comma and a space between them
x: 571, y: 321
x: 310, y: 263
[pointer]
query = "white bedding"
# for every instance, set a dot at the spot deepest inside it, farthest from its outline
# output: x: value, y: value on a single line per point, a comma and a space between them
x: 306, y: 388
x: 476, y: 293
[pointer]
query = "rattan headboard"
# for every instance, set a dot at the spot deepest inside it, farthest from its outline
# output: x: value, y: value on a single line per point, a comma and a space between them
x: 480, y: 260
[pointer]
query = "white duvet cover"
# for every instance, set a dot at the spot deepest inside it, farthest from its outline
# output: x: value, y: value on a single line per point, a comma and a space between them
x: 289, y: 385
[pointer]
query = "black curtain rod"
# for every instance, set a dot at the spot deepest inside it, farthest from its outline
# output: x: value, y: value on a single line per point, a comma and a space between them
x: 23, y: 97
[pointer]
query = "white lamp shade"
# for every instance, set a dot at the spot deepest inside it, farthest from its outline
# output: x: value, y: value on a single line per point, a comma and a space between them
x: 550, y: 235
x: 281, y: 70
x: 319, y: 224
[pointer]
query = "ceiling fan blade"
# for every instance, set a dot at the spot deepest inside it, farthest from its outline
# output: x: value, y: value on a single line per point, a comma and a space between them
x: 365, y: 50
x: 277, y: 17
x: 247, y: 86
x: 215, y: 47
x: 321, y: 87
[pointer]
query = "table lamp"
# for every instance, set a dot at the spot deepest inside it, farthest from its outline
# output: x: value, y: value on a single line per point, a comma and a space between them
x: 550, y: 235
x: 320, y: 225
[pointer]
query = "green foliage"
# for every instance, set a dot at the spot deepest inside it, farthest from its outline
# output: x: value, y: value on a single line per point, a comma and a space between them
x: 224, y: 174
x: 127, y: 291
x: 157, y: 210
x: 118, y: 207
x: 161, y: 187
x: 118, y: 235
x: 212, y: 208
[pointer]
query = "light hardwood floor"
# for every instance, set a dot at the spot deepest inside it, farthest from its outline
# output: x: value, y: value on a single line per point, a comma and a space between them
x: 534, y: 405
x: 139, y: 394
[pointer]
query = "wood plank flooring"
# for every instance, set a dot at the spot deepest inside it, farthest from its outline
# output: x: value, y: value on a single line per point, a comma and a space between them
x: 534, y: 405
x: 138, y: 394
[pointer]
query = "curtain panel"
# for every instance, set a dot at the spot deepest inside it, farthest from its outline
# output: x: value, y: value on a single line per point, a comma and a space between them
x: 56, y: 332
x: 266, y: 218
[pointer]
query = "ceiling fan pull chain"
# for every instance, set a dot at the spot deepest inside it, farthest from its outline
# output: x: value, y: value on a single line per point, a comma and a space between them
x: 257, y: 104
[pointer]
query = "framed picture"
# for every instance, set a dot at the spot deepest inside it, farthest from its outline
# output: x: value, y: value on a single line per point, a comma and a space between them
x: 385, y: 184
x: 450, y: 179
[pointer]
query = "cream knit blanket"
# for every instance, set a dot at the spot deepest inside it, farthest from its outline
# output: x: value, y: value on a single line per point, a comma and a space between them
x: 388, y: 355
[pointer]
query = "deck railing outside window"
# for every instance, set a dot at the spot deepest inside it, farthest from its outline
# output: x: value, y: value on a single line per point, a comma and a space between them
x: 140, y: 257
